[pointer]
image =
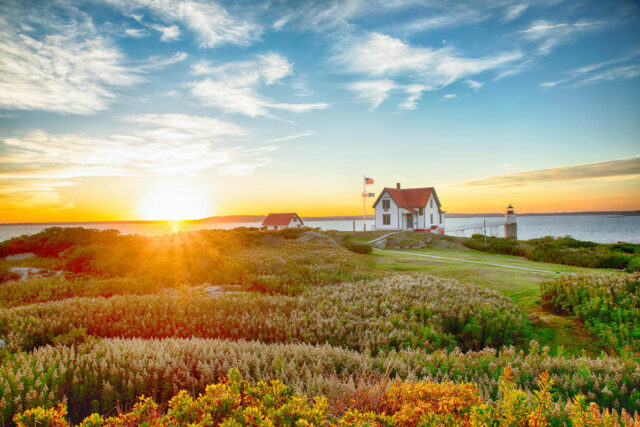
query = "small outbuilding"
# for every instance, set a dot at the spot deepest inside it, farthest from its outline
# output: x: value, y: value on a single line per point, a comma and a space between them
x: 277, y: 221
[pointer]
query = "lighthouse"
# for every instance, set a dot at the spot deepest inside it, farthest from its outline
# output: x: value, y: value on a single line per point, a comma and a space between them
x: 510, y: 226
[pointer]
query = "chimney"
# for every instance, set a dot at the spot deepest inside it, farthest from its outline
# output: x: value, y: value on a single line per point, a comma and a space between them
x: 397, y: 185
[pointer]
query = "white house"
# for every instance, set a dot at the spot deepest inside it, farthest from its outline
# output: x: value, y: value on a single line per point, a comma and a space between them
x: 409, y: 209
x: 277, y: 221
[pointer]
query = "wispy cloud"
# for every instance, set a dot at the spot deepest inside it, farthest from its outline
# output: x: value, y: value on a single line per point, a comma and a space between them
x: 212, y: 23
x: 291, y: 137
x: 473, y: 84
x: 515, y: 11
x: 380, y: 55
x: 624, y: 167
x: 456, y: 15
x: 449, y: 96
x: 136, y: 32
x: 373, y: 91
x: 550, y: 34
x: 169, y: 33
x: 600, y: 71
x: 233, y: 87
x: 70, y: 69
x: 37, y: 164
x: 159, y: 62
x: 616, y: 73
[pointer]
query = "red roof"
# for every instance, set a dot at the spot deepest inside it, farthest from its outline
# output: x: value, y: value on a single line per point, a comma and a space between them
x: 410, y: 198
x: 280, y: 219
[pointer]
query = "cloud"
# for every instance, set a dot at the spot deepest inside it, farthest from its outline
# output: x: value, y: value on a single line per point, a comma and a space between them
x: 515, y: 11
x: 473, y: 84
x: 373, y: 91
x: 136, y: 32
x: 233, y: 87
x: 35, y: 165
x: 616, y: 73
x: 549, y: 34
x: 291, y: 137
x: 211, y: 22
x: 380, y: 55
x: 591, y: 73
x: 454, y: 16
x: 629, y: 166
x: 450, y: 96
x: 154, y: 63
x: 18, y: 195
x: 68, y: 68
x: 169, y: 33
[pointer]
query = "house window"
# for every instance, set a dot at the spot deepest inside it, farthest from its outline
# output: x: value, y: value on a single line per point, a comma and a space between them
x: 431, y: 220
x: 386, y: 204
x: 421, y: 211
x: 431, y: 203
x: 294, y: 219
x: 386, y: 219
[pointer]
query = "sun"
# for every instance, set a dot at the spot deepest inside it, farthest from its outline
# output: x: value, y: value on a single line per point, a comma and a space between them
x: 174, y: 202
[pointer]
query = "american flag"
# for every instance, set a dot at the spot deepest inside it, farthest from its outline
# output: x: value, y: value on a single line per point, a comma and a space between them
x: 368, y: 180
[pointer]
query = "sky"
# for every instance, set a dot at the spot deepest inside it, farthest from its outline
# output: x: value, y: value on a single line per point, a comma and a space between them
x: 141, y: 109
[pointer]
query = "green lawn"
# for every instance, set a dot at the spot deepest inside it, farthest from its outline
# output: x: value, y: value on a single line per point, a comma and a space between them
x: 523, y: 286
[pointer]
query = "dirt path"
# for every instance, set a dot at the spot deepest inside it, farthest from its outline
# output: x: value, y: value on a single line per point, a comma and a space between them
x: 384, y: 236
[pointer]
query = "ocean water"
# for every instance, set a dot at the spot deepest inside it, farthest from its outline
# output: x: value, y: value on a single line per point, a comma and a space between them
x: 596, y: 228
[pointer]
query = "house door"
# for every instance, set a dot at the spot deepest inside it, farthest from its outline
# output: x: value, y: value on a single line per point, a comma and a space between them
x: 409, y: 221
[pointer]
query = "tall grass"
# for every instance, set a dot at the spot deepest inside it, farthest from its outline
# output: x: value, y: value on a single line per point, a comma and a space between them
x: 102, y: 375
x: 419, y: 311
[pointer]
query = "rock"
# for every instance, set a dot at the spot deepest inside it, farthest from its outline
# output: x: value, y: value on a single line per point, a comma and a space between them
x: 18, y: 257
x: 3, y: 344
x: 27, y: 272
x: 381, y: 244
x: 314, y: 236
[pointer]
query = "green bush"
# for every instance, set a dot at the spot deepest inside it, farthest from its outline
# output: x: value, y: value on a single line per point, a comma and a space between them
x: 608, y: 304
x: 359, y: 248
x: 561, y: 250
x: 634, y: 265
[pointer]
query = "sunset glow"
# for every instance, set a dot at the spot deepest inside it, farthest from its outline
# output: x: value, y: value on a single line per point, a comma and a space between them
x: 173, y: 203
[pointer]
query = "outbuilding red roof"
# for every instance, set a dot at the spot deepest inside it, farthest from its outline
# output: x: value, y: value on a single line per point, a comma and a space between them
x: 280, y: 219
x: 410, y: 198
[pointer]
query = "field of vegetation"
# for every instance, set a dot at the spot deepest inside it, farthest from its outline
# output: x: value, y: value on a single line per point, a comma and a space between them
x: 126, y: 332
x: 564, y: 250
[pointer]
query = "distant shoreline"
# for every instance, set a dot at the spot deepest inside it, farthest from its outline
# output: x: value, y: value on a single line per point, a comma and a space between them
x: 240, y: 219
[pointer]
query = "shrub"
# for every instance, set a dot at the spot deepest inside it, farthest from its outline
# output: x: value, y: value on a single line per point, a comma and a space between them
x: 608, y: 304
x: 59, y: 288
x: 265, y: 261
x: 561, y: 250
x: 634, y: 265
x: 359, y: 248
x: 419, y: 311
